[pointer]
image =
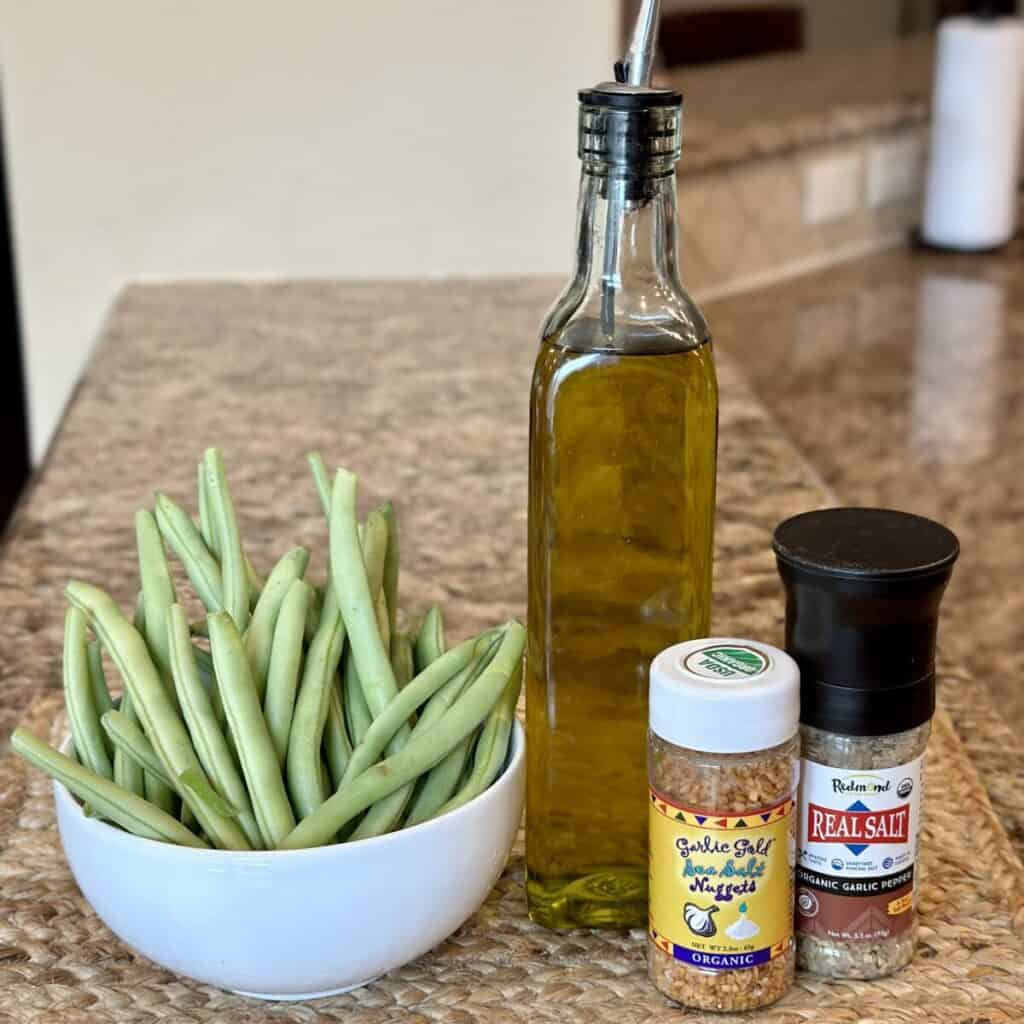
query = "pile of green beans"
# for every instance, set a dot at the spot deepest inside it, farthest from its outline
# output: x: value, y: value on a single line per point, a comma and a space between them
x: 291, y: 715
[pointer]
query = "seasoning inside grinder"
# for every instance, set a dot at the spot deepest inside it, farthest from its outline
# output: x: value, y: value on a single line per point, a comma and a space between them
x: 863, y: 588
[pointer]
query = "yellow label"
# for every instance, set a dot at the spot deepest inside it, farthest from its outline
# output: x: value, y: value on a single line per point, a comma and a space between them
x: 721, y: 888
x: 901, y: 905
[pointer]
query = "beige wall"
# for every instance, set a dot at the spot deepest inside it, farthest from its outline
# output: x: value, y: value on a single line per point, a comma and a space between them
x: 259, y: 137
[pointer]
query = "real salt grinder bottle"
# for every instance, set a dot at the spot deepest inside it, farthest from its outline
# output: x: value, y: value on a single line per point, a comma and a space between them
x: 863, y: 587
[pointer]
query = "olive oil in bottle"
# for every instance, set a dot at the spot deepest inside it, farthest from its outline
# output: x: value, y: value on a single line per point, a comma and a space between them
x: 623, y: 431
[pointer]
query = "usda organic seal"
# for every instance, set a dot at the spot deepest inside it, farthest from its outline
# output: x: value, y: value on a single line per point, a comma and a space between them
x: 726, y: 661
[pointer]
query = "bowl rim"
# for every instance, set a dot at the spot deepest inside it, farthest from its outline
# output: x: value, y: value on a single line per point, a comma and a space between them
x: 109, y: 833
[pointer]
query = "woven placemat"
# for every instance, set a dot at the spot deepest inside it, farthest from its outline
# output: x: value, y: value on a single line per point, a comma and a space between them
x: 58, y: 962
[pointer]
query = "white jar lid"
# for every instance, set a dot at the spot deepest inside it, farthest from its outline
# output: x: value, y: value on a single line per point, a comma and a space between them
x: 724, y: 695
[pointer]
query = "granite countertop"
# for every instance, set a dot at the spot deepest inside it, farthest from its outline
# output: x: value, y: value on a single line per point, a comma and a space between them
x: 897, y: 378
x: 421, y: 389
x: 900, y: 377
x: 765, y: 106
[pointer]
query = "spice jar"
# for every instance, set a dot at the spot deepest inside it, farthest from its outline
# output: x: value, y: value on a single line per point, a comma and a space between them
x: 723, y: 751
x: 863, y: 588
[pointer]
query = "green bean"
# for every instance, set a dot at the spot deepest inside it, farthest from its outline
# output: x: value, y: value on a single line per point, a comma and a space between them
x: 321, y: 479
x: 260, y: 634
x: 249, y: 728
x: 157, y: 793
x: 100, y: 692
x: 127, y: 773
x: 492, y: 747
x: 380, y: 611
x: 98, y: 678
x: 211, y: 746
x: 139, y: 613
x: 157, y: 587
x: 191, y: 783
x: 402, y: 663
x: 386, y: 814
x: 204, y: 669
x: 468, y: 769
x: 79, y: 699
x: 359, y: 586
x: 404, y: 704
x: 151, y: 702
x: 234, y: 577
x: 430, y: 644
x: 374, y: 542
x: 441, y: 781
x: 312, y: 616
x: 125, y: 734
x: 118, y: 805
x: 357, y: 714
x: 302, y: 759
x: 391, y: 559
x: 204, y: 663
x: 354, y: 594
x: 255, y: 580
x: 420, y: 753
x: 208, y: 530
x: 487, y: 644
x: 187, y: 543
x: 207, y: 526
x: 285, y: 663
x: 157, y: 590
x: 337, y: 747
x: 157, y: 595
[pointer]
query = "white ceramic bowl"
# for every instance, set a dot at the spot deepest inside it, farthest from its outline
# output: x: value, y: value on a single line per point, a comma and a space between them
x: 300, y: 923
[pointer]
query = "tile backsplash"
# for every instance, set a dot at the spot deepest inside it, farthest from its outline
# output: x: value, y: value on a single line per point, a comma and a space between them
x: 750, y: 222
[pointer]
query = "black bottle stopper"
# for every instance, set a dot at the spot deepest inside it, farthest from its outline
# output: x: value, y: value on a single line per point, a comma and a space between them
x: 863, y: 587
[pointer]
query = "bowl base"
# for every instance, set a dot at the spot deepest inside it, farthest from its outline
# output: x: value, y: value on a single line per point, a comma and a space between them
x: 295, y: 997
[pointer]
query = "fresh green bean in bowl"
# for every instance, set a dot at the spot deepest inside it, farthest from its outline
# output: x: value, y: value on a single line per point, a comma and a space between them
x: 291, y: 924
x: 286, y: 719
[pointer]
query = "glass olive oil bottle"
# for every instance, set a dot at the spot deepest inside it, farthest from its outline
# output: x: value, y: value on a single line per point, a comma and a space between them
x: 623, y: 432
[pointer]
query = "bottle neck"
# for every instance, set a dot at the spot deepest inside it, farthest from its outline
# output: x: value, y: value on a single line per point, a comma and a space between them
x: 640, y: 259
x: 625, y: 285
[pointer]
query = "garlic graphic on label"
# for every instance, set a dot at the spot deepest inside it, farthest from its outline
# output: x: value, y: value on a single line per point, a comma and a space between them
x: 742, y: 927
x: 698, y: 919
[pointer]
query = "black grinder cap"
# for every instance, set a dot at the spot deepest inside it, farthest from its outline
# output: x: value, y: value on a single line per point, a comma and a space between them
x: 863, y: 587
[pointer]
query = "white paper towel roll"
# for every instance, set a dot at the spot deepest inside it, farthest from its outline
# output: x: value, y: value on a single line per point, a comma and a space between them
x: 977, y: 115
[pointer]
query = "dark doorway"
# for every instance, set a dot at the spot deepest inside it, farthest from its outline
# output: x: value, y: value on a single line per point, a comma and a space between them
x: 952, y: 8
x: 14, y: 463
x: 709, y: 36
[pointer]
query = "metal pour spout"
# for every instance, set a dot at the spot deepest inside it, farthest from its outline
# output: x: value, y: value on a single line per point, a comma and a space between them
x: 634, y: 69
x: 639, y: 58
